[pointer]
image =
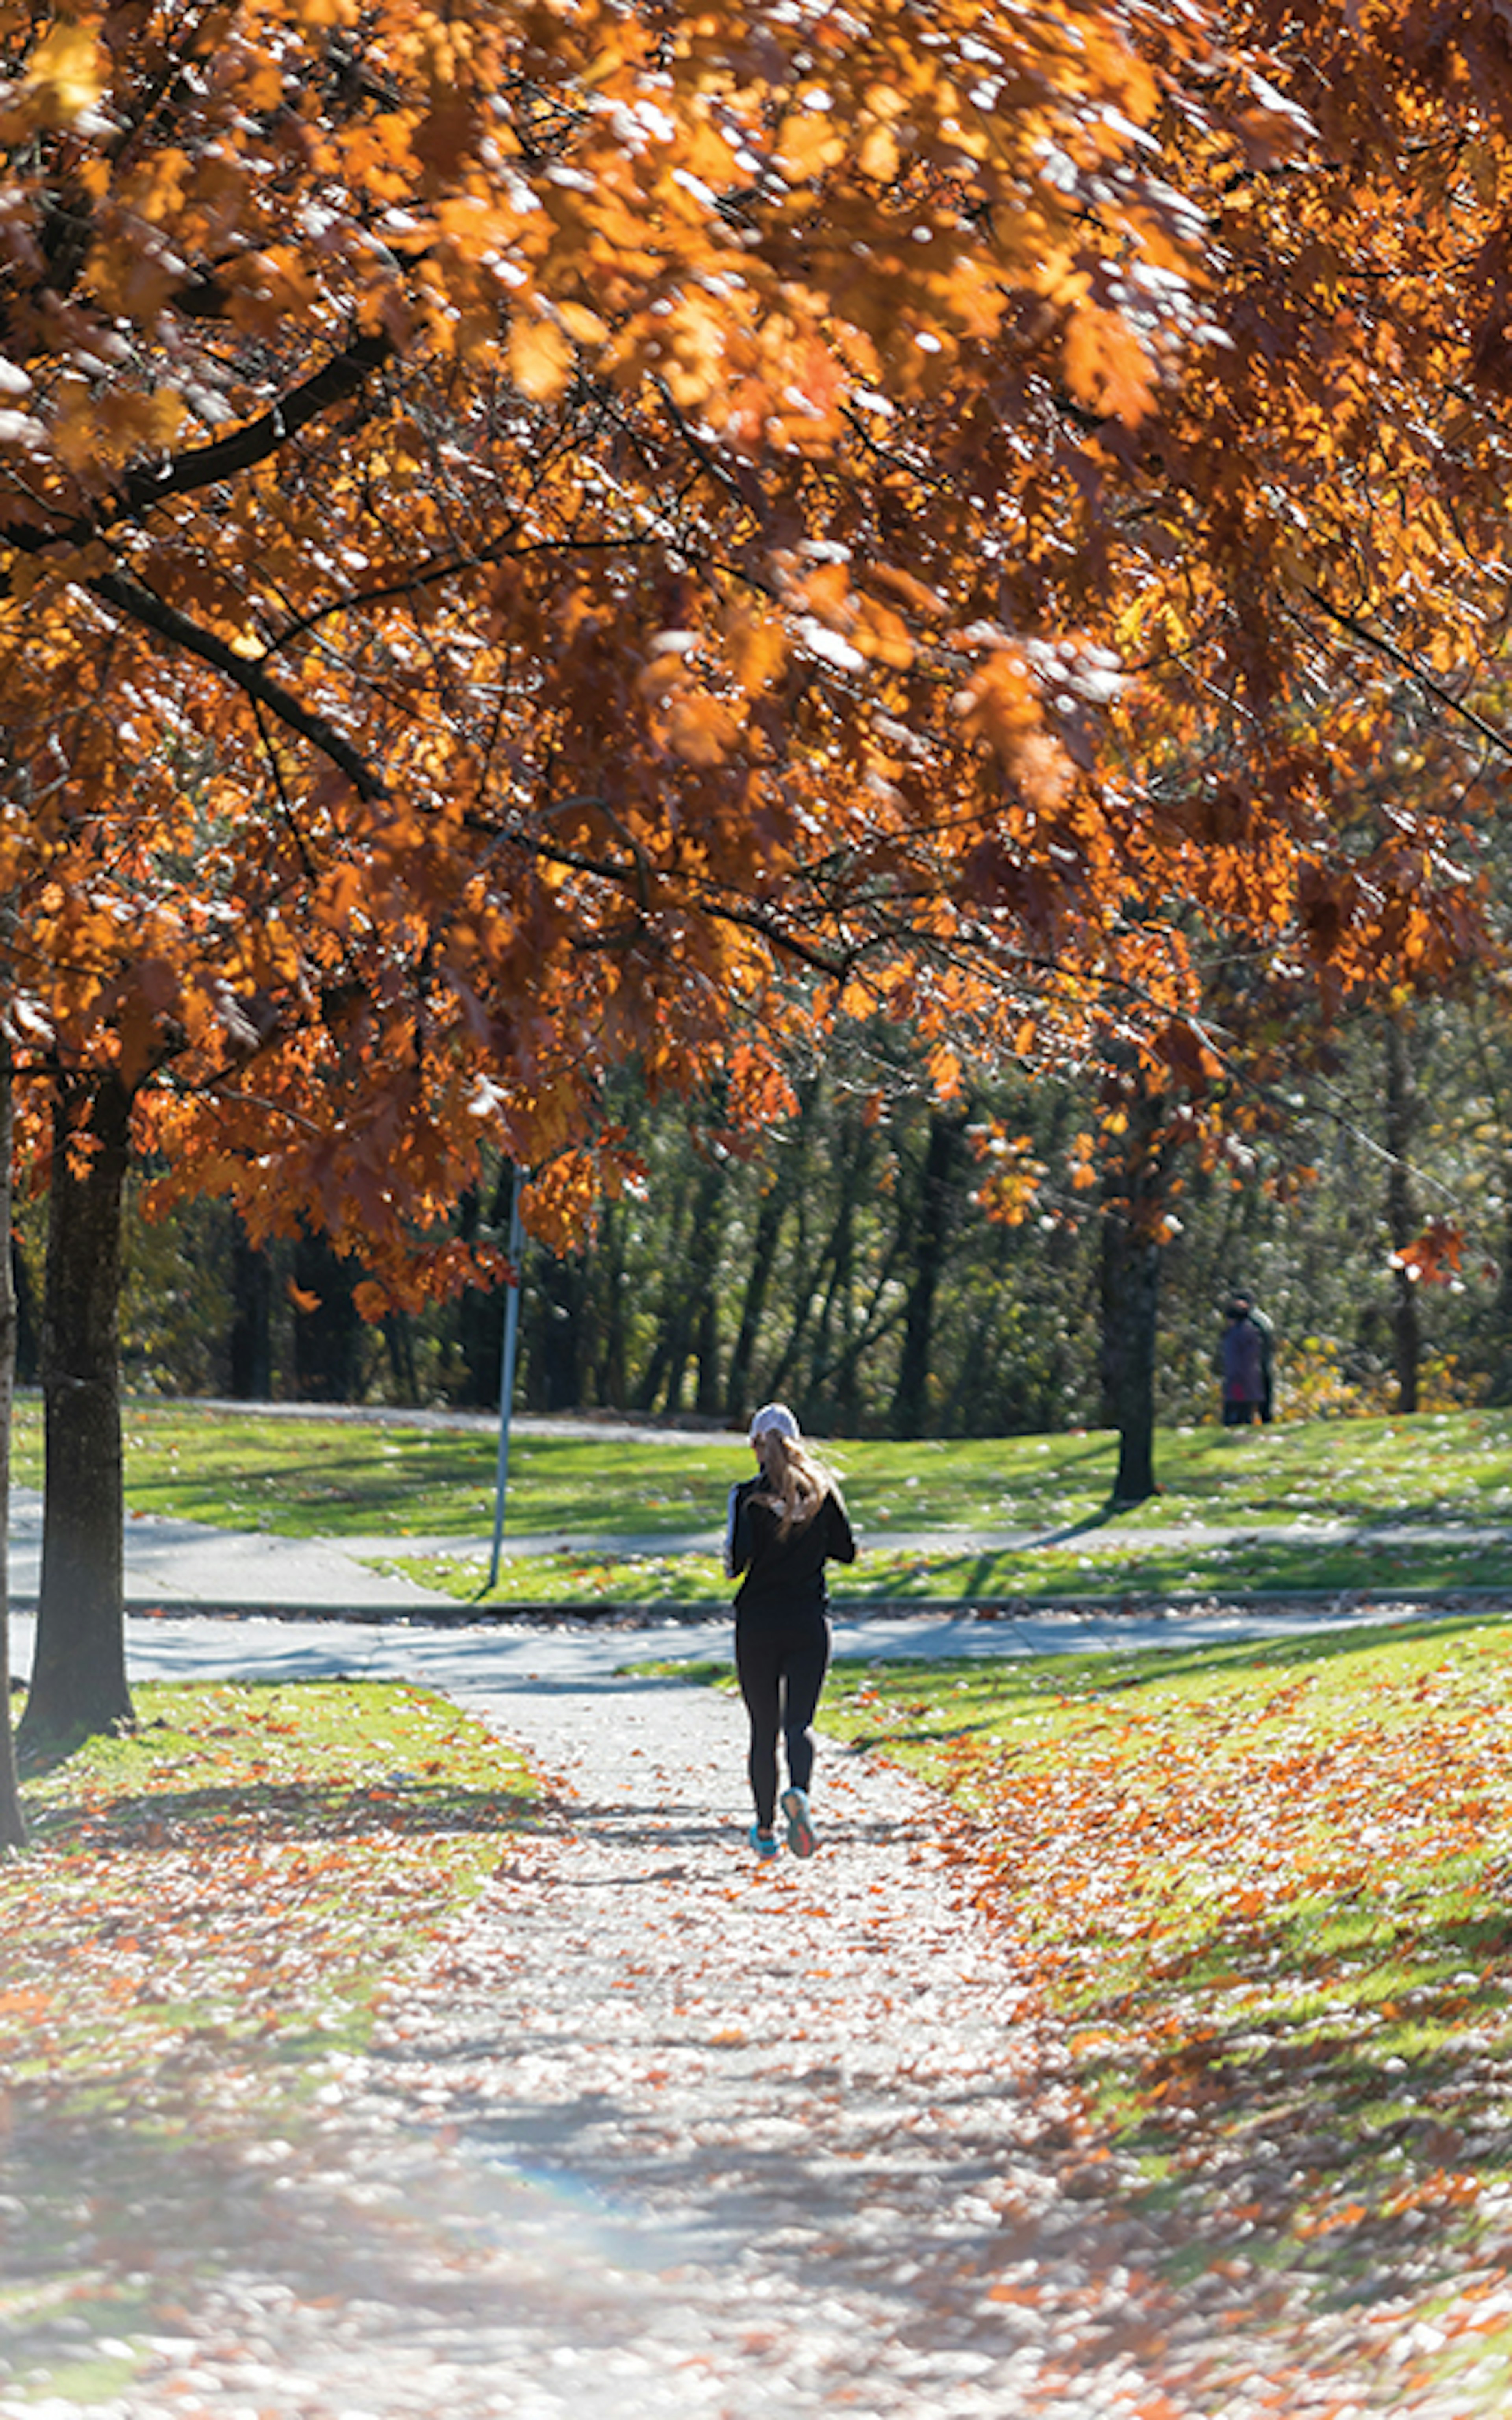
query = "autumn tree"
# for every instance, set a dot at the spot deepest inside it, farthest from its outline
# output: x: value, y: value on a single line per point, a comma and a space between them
x: 521, y: 524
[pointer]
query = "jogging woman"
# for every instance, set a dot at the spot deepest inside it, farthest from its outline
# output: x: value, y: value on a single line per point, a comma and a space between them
x: 785, y: 1524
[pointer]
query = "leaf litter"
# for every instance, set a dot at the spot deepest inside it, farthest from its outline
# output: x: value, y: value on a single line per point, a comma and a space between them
x: 652, y: 2131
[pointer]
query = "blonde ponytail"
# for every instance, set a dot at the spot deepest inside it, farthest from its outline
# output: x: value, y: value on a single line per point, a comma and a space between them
x: 795, y: 1481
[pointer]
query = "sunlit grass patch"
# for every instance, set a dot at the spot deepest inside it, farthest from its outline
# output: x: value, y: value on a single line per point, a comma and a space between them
x: 571, y: 1578
x: 1108, y: 1568
x: 318, y: 1475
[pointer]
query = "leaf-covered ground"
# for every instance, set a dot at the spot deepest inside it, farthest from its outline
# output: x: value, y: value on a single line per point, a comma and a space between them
x: 1154, y: 2069
x: 200, y: 1938
x: 1268, y: 1894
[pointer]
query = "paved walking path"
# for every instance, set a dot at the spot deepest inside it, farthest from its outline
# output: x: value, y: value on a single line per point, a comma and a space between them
x: 660, y: 2134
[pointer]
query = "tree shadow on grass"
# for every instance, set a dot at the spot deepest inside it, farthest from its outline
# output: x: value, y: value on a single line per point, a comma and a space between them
x: 274, y: 1811
x: 1103, y: 1673
x: 1308, y: 1648
x: 1351, y: 2142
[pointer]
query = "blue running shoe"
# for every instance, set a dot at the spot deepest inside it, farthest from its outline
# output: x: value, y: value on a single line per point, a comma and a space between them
x: 802, y: 1838
x: 764, y: 1843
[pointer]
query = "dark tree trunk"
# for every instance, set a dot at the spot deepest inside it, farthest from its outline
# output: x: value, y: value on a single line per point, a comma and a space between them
x: 79, y: 1673
x: 689, y: 1283
x: 1402, y: 1214
x: 758, y: 1280
x: 399, y: 1336
x: 703, y: 1279
x: 327, y: 1340
x: 663, y: 1373
x: 28, y: 1341
x: 559, y: 1332
x: 832, y: 1393
x: 930, y: 1246
x: 1138, y: 1188
x: 1131, y: 1301
x: 480, y: 1315
x: 252, y: 1317
x: 792, y: 1169
x: 611, y: 1367
x: 12, y: 1821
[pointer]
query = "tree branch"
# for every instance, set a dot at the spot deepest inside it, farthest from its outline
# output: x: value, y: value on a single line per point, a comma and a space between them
x: 204, y: 466
x: 241, y: 448
x: 140, y: 605
x: 1416, y: 672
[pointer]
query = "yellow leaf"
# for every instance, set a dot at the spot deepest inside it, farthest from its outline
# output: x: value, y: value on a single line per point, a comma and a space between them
x: 579, y: 322
x: 65, y: 76
x: 756, y: 646
x: 1106, y: 366
x: 945, y: 1070
x: 827, y: 592
x: 879, y: 155
x: 700, y: 730
x: 913, y: 592
x: 540, y: 359
x: 880, y: 632
x: 806, y: 145
x: 663, y: 673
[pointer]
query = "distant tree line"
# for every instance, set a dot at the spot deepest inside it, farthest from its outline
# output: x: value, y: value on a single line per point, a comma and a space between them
x: 846, y: 1262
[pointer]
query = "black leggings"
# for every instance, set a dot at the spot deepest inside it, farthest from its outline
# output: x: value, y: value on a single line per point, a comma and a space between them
x: 781, y: 1667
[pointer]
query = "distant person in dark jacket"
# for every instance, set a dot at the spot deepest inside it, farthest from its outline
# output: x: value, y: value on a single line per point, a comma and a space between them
x: 1258, y: 1319
x: 1242, y: 1362
x: 785, y: 1524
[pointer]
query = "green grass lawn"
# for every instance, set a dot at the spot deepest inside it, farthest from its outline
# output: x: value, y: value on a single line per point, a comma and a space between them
x: 1263, y: 1895
x: 309, y: 1477
x: 210, y: 1918
x: 1115, y: 1567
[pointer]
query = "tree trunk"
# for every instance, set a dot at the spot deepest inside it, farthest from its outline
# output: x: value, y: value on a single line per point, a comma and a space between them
x: 252, y: 1317
x: 1138, y: 1186
x: 399, y: 1337
x: 559, y: 1337
x: 327, y: 1340
x: 703, y: 1275
x: 692, y: 1255
x: 831, y: 1389
x: 759, y: 1276
x: 1402, y: 1214
x: 1131, y: 1299
x: 480, y: 1313
x: 611, y: 1385
x: 79, y: 1673
x: 791, y: 1172
x: 930, y: 1244
x: 12, y: 1822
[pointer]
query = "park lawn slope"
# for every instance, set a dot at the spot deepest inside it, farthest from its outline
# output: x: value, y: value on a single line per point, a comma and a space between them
x: 199, y: 1940
x: 316, y: 1473
x: 1265, y: 1894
